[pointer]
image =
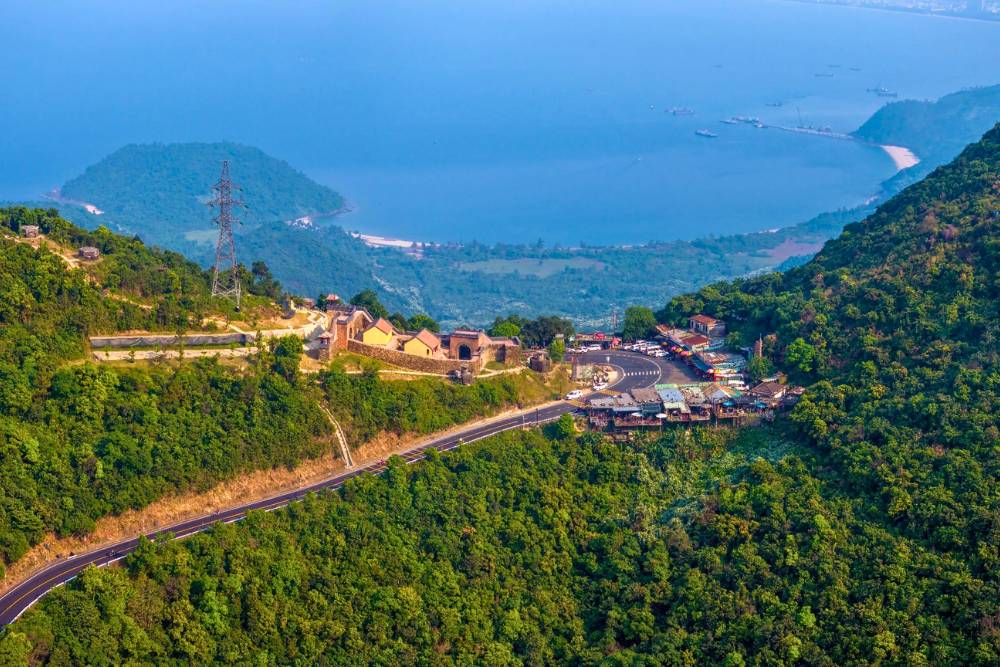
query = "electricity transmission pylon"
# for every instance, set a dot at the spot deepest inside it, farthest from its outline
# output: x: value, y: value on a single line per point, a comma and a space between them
x: 226, y: 274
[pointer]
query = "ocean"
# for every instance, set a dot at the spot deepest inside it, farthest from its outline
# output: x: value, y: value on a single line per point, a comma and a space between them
x: 495, y: 121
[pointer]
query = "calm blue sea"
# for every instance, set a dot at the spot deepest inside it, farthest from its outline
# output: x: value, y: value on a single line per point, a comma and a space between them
x: 489, y: 120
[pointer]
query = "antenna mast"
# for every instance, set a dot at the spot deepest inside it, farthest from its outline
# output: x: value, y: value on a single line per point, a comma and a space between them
x: 226, y: 275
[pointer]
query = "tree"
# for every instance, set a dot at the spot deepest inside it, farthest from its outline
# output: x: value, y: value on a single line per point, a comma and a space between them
x: 369, y: 300
x: 261, y: 281
x: 760, y: 367
x: 505, y: 329
x: 421, y: 321
x: 287, y: 352
x: 801, y: 355
x: 639, y: 322
x: 557, y: 349
x: 542, y: 331
x: 399, y: 321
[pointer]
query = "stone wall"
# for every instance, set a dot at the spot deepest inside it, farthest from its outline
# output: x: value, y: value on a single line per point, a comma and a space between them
x: 412, y: 361
x: 168, y: 340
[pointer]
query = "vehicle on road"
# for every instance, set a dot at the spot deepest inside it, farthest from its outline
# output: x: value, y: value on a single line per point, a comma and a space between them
x: 573, y: 395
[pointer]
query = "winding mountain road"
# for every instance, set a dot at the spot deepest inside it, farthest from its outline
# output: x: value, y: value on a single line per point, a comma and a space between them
x: 15, y: 601
x: 635, y: 371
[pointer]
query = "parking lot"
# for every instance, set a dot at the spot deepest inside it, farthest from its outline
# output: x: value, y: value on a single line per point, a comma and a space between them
x: 638, y: 370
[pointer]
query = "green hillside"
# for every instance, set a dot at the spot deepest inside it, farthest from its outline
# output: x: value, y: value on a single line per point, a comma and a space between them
x: 159, y: 191
x: 80, y: 441
x: 862, y: 530
x: 935, y: 130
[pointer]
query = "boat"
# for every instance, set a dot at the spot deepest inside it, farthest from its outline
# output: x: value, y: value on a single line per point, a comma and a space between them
x: 682, y: 111
x: 706, y: 133
x: 730, y: 121
x: 855, y: 69
x: 774, y: 104
x: 882, y: 91
x: 824, y: 75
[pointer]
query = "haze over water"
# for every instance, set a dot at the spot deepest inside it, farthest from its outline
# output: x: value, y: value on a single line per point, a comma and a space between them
x: 499, y: 121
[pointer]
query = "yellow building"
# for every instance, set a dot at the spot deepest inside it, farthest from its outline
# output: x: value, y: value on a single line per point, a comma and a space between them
x: 379, y: 333
x: 424, y: 344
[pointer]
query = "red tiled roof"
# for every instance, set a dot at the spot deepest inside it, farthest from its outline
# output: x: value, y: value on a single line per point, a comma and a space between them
x: 428, y: 339
x: 704, y: 319
x: 383, y: 325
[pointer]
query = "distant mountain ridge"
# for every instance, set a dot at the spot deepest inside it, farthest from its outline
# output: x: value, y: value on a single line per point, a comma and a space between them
x: 159, y: 191
x: 935, y: 130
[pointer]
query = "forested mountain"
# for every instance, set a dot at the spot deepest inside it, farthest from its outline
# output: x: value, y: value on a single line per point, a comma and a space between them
x: 935, y: 130
x: 81, y: 441
x: 159, y: 191
x: 864, y: 529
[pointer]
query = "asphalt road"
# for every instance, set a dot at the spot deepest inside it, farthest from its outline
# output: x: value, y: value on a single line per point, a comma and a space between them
x: 636, y: 371
x: 15, y: 601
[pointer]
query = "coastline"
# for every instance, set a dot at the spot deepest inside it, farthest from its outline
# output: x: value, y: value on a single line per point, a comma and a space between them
x: 906, y: 11
x: 903, y: 157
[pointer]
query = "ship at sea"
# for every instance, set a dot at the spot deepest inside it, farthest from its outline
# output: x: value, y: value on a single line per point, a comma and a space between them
x: 682, y: 111
x: 706, y: 133
x: 882, y: 91
x: 774, y: 104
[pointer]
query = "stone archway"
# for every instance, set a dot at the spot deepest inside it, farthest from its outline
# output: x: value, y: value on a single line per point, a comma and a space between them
x: 464, y: 352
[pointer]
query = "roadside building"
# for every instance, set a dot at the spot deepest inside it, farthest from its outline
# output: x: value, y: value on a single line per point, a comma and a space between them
x: 707, y: 326
x: 423, y: 344
x: 725, y: 400
x: 698, y: 405
x: 465, y: 344
x: 647, y: 400
x: 379, y: 333
x: 769, y: 393
x: 719, y: 365
x: 306, y: 302
x: 29, y: 231
x: 685, y: 343
x: 673, y: 402
x: 346, y: 324
x: 613, y: 412
x: 89, y: 253
x: 598, y: 338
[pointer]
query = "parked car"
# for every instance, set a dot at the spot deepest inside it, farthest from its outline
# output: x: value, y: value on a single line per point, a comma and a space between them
x: 573, y: 395
x: 600, y: 386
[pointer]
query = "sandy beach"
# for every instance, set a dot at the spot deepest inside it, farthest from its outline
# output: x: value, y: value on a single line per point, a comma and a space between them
x: 903, y: 157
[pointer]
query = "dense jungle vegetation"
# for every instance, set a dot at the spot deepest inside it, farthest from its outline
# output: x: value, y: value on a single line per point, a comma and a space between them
x: 863, y: 529
x: 80, y: 440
